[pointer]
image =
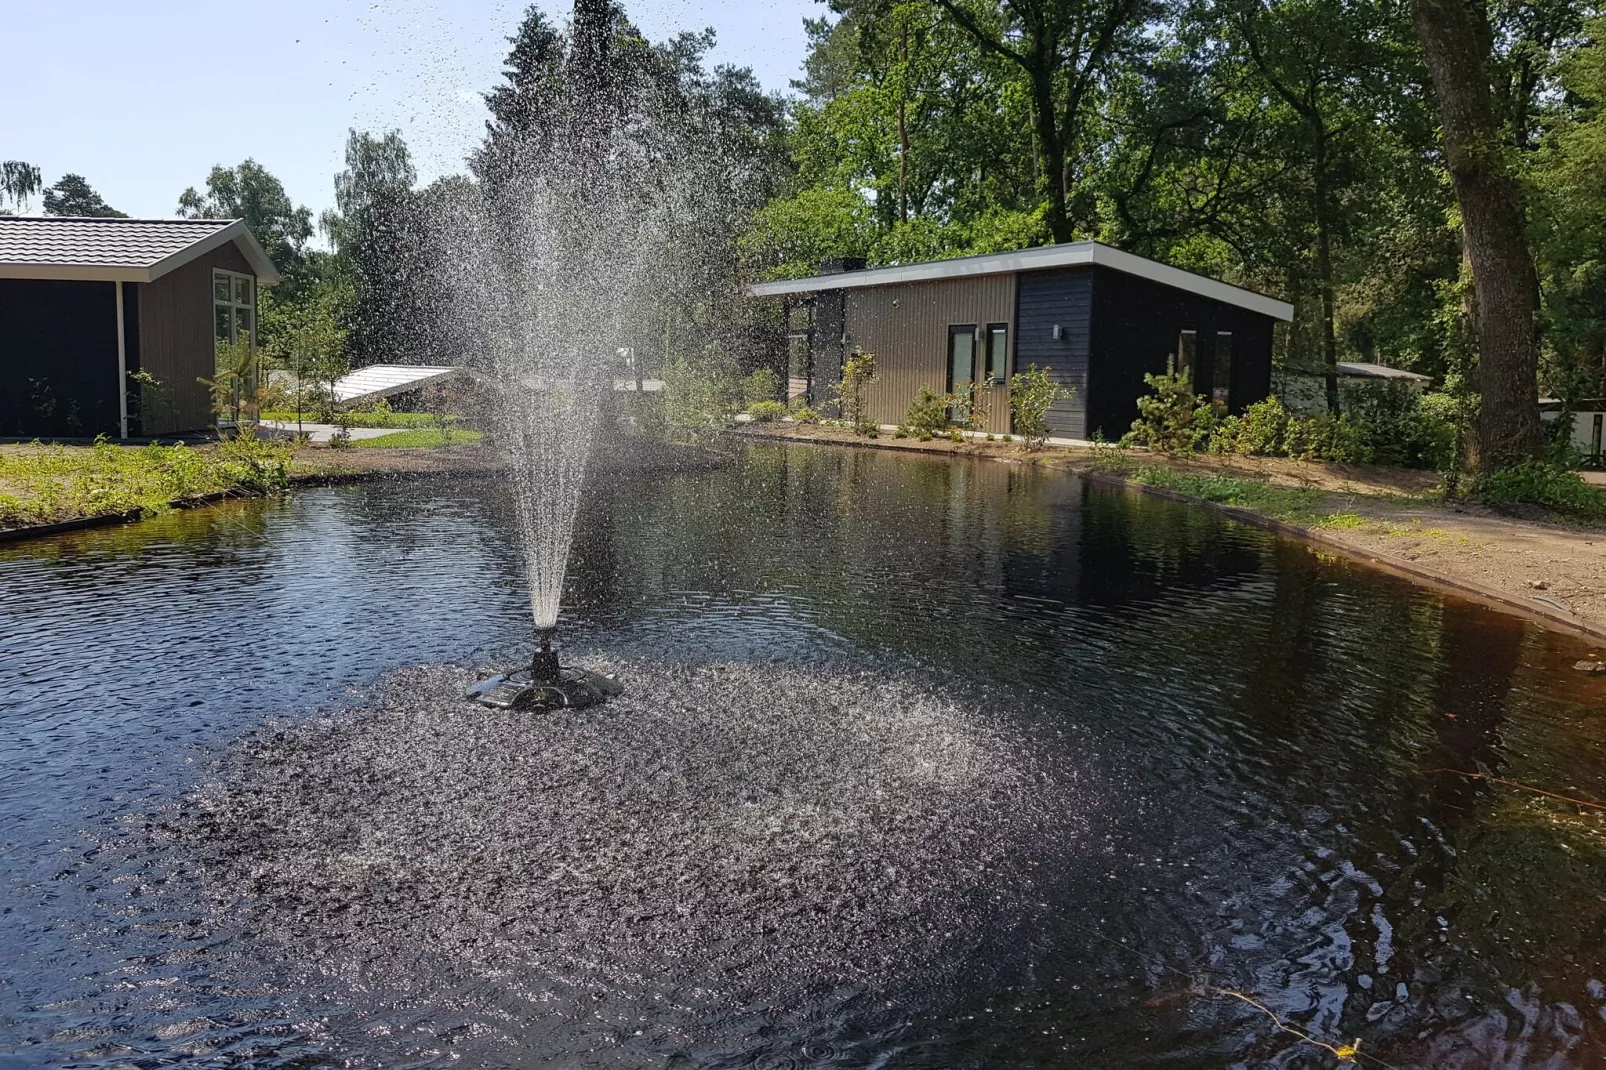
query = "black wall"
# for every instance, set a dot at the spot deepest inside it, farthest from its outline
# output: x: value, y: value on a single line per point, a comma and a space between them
x: 830, y: 321
x: 1136, y: 324
x: 58, y: 358
x: 1062, y: 296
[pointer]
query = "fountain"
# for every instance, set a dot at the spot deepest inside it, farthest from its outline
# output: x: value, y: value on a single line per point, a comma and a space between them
x: 556, y: 243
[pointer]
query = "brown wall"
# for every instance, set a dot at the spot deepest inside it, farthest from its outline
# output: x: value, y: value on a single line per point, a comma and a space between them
x: 176, y: 336
x: 906, y: 327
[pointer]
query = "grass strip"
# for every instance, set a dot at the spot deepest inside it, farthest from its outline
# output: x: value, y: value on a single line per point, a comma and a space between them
x: 432, y: 436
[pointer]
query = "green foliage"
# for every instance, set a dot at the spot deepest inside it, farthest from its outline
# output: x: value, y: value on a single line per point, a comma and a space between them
x: 767, y: 411
x: 703, y: 391
x: 805, y: 415
x: 762, y: 385
x: 399, y: 420
x: 1545, y: 484
x: 858, y: 371
x: 150, y: 402
x: 250, y: 192
x: 1031, y: 394
x: 19, y: 181
x: 1166, y: 416
x: 928, y: 414
x: 73, y: 196
x: 45, y: 484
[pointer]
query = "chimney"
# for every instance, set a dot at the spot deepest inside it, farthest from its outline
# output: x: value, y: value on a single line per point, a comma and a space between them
x: 836, y: 265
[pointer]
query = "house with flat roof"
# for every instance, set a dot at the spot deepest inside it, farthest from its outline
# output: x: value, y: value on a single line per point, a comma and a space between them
x: 87, y: 303
x: 1096, y: 317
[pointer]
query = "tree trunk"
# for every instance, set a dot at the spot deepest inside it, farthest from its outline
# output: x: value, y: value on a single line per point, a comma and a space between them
x: 1324, y: 272
x: 1051, y: 149
x: 1455, y: 43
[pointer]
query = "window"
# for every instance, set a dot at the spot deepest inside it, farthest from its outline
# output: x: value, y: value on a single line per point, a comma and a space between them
x: 961, y: 369
x: 997, y: 353
x: 1221, y: 369
x: 1595, y: 437
x: 1187, y: 352
x: 234, y: 323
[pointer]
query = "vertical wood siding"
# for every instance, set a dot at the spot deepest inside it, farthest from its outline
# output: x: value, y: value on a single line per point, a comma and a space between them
x: 906, y: 327
x: 1060, y: 297
x: 1136, y: 326
x: 176, y: 336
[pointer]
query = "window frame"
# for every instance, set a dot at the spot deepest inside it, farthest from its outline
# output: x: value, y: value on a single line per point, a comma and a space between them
x: 1221, y: 376
x: 996, y: 366
x: 1187, y: 357
x: 235, y: 306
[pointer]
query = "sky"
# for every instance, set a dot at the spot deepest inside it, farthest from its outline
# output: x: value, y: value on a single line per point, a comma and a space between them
x: 143, y: 99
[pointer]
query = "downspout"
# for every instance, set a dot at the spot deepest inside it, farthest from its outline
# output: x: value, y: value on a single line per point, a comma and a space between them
x: 122, y: 368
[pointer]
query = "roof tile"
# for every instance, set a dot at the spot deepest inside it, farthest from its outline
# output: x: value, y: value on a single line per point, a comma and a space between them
x: 112, y: 243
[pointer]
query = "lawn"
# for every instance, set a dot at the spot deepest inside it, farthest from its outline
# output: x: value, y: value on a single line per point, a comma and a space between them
x: 46, y: 484
x: 430, y: 436
x: 371, y: 419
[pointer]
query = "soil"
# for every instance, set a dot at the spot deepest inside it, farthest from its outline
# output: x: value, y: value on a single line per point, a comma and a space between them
x: 1549, y: 570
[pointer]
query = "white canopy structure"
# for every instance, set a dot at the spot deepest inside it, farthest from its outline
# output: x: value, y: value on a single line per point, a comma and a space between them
x: 387, y: 380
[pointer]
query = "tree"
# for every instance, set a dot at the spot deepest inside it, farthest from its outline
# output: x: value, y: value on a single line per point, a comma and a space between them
x: 250, y: 192
x: 72, y: 196
x: 18, y: 182
x: 1066, y: 49
x: 1456, y: 43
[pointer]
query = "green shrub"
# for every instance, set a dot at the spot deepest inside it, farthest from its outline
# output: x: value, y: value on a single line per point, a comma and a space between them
x: 928, y: 412
x: 1400, y: 428
x: 1031, y: 394
x: 766, y: 411
x: 806, y: 415
x: 956, y: 435
x: 1545, y: 484
x: 762, y: 385
x: 1166, y: 416
x: 858, y: 372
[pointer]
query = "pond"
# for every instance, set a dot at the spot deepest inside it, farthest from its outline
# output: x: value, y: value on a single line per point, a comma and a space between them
x: 924, y: 763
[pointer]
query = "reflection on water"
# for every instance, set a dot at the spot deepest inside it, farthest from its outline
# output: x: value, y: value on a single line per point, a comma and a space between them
x: 1234, y: 763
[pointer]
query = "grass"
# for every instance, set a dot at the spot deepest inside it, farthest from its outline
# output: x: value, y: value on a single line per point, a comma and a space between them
x: 432, y: 436
x: 1297, y: 506
x: 48, y: 484
x: 371, y: 419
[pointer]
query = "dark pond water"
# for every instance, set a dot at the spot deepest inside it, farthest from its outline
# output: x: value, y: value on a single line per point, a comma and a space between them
x: 924, y: 764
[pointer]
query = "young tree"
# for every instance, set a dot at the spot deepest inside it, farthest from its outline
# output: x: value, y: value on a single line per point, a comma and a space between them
x: 72, y: 196
x: 1456, y: 43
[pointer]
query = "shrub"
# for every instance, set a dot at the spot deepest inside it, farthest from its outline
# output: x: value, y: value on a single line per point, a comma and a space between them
x: 928, y: 412
x: 1031, y: 394
x: 1546, y: 484
x: 762, y: 385
x: 805, y: 415
x: 766, y: 411
x: 858, y: 371
x: 1166, y: 417
x: 1399, y: 427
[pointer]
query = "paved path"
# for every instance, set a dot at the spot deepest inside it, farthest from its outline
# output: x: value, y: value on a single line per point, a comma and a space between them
x: 320, y: 434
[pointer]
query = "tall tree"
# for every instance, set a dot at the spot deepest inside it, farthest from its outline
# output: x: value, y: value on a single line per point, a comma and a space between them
x: 73, y: 196
x: 1066, y: 49
x: 1456, y: 43
x: 250, y: 192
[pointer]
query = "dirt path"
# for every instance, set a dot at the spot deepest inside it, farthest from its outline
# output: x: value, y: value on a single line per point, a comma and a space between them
x: 1394, y: 518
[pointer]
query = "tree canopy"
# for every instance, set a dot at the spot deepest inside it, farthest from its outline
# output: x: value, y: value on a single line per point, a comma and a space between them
x: 73, y: 196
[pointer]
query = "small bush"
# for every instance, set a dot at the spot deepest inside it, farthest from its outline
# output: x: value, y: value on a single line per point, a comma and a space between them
x: 1166, y: 416
x: 1548, y: 485
x: 928, y: 412
x: 805, y: 415
x: 858, y: 372
x: 766, y: 411
x: 1031, y: 394
x: 956, y: 435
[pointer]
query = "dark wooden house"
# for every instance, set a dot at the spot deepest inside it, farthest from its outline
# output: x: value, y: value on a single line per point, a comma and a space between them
x: 87, y: 304
x: 1097, y: 318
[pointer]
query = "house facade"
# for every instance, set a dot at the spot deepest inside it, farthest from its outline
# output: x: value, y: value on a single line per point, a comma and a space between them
x: 1098, y: 319
x: 88, y: 304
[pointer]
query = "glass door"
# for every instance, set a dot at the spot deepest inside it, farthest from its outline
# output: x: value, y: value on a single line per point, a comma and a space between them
x: 234, y: 322
x: 961, y: 369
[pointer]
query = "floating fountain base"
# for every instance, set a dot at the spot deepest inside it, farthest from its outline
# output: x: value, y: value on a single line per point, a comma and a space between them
x: 559, y: 689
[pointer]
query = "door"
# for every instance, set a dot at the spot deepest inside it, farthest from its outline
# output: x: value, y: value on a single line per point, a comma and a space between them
x: 961, y: 369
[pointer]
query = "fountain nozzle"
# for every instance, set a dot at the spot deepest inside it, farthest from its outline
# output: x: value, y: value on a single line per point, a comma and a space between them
x: 544, y: 663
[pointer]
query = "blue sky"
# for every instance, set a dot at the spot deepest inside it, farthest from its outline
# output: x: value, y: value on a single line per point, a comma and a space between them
x: 142, y: 99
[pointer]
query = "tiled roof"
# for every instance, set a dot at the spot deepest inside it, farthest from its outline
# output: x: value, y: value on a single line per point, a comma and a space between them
x: 106, y: 242
x: 131, y: 249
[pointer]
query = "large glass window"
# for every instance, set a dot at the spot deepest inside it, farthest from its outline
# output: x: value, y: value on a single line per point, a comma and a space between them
x: 997, y: 353
x: 1221, y: 369
x: 961, y: 368
x: 1187, y: 352
x: 234, y: 326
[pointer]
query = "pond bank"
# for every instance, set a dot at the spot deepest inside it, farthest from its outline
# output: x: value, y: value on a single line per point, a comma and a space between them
x: 1389, y: 518
x: 72, y: 488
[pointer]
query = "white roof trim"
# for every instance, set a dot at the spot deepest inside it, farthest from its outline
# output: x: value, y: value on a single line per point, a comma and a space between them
x: 1051, y: 256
